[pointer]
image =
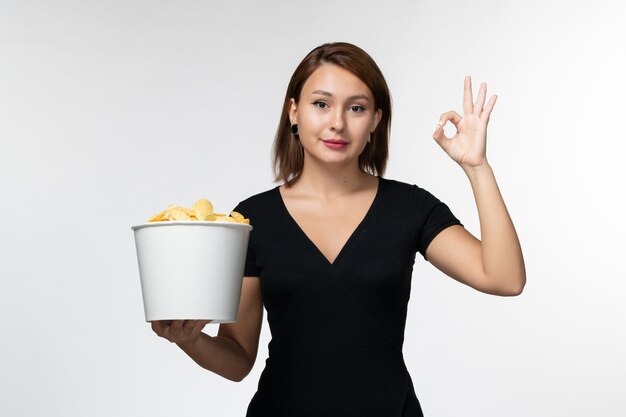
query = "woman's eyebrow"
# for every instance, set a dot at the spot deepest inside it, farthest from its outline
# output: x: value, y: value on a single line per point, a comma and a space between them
x: 328, y: 94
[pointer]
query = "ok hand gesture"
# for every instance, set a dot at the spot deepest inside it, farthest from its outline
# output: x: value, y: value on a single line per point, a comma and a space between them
x: 468, y: 146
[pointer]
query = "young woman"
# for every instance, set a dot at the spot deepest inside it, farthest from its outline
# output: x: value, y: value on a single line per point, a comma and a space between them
x: 332, y: 250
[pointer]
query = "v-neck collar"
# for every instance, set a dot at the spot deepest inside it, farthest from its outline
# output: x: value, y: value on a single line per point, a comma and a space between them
x: 352, y: 236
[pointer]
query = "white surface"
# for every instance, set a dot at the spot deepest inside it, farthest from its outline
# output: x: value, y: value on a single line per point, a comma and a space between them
x: 191, y: 270
x: 110, y: 110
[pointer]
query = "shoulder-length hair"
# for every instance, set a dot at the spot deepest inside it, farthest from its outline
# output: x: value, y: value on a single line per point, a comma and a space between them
x: 288, y: 155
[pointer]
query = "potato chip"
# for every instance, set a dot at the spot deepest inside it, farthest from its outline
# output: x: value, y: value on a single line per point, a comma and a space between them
x: 202, y: 210
x: 178, y: 214
x: 225, y: 219
x: 158, y: 217
x: 237, y: 216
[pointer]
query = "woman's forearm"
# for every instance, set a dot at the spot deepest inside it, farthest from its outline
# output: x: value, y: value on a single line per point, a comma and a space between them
x: 503, y: 262
x: 220, y: 355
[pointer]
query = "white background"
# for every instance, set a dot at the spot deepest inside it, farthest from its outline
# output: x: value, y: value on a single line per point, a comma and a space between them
x: 111, y: 110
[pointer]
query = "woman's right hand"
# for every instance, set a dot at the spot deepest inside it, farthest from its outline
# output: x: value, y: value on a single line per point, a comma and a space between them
x: 181, y: 332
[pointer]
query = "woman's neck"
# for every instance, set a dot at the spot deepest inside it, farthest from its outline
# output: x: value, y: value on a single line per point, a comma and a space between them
x: 331, y: 181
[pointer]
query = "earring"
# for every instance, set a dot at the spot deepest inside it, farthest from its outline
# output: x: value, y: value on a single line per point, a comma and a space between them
x: 369, y: 139
x: 294, y: 129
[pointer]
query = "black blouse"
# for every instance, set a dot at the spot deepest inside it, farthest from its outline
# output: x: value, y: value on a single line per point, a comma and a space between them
x: 338, y: 329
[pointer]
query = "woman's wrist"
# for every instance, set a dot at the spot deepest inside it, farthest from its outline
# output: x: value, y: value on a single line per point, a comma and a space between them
x: 195, y: 343
x: 477, y: 170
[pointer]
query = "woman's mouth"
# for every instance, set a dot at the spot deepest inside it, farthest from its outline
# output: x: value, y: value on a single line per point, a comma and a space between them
x: 335, y: 143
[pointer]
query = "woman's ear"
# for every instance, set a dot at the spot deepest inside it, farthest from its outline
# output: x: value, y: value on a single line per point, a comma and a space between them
x: 293, y: 112
x: 377, y: 117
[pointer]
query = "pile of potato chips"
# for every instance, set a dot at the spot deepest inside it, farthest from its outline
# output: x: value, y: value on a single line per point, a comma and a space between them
x: 201, y: 211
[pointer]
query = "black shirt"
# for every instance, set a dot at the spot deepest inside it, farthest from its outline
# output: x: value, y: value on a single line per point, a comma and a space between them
x: 338, y: 329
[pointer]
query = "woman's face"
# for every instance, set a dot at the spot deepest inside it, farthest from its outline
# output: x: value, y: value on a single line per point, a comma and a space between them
x: 335, y: 115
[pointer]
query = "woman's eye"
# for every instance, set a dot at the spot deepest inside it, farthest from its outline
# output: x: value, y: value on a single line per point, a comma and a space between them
x: 357, y: 109
x: 320, y: 104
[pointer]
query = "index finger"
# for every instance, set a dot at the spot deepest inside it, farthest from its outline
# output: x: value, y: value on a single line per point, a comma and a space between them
x: 468, y: 99
x: 161, y: 328
x: 200, y: 325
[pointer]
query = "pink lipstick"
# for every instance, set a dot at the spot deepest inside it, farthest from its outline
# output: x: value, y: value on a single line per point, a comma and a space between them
x: 335, y: 143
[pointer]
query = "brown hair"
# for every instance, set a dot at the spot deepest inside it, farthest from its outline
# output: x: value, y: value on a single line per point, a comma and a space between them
x: 288, y: 155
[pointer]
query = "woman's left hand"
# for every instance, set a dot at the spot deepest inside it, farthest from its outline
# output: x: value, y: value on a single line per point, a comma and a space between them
x: 468, y: 146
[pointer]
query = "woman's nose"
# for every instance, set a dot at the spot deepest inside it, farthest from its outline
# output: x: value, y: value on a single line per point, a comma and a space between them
x: 338, y: 122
